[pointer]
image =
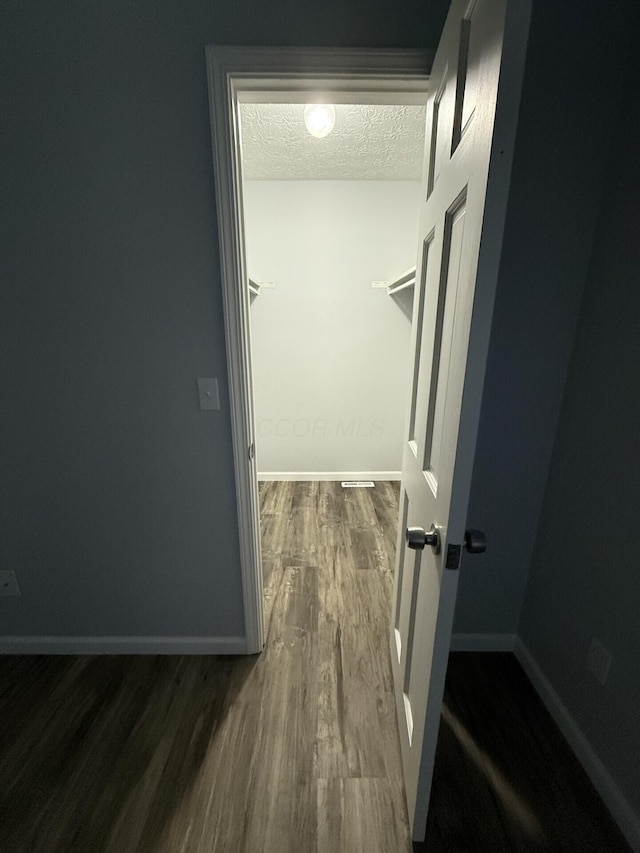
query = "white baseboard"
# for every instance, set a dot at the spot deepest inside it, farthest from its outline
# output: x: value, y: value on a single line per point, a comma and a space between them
x: 616, y: 802
x: 304, y: 476
x: 123, y: 646
x: 483, y: 642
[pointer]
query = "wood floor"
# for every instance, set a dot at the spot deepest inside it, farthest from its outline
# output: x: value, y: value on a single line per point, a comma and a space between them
x: 292, y: 750
x: 295, y: 749
x: 505, y: 779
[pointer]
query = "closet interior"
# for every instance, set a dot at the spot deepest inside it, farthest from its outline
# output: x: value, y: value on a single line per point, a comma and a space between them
x: 330, y: 223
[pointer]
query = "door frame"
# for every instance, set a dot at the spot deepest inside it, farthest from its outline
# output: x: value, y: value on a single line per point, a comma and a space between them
x: 276, y: 74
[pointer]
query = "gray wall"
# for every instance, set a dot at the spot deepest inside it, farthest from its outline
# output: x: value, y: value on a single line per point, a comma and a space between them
x: 571, y: 93
x: 118, y: 501
x: 118, y: 504
x: 585, y: 577
x: 330, y: 352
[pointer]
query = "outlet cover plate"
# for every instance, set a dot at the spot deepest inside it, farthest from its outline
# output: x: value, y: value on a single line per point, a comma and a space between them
x: 598, y: 660
x: 9, y: 584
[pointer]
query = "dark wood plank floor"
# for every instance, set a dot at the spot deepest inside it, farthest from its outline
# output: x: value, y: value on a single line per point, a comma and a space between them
x: 505, y: 780
x: 292, y: 750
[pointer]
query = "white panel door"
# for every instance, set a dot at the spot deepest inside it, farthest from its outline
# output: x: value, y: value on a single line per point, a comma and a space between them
x: 471, y: 121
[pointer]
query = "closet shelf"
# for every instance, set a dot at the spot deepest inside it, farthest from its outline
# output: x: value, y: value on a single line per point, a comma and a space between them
x: 256, y: 287
x: 403, y: 282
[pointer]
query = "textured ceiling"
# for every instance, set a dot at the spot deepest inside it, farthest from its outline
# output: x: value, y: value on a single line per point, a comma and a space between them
x: 379, y: 143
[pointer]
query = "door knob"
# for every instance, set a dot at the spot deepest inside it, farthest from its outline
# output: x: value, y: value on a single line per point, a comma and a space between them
x: 417, y: 538
x: 475, y: 541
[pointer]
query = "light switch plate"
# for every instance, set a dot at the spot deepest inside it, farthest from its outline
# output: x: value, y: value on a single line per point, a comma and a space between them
x: 209, y: 395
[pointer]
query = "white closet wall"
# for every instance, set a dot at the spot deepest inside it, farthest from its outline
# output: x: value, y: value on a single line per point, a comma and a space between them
x: 330, y: 353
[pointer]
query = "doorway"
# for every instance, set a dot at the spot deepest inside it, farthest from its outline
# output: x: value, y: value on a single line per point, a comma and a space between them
x: 472, y: 122
x: 249, y: 75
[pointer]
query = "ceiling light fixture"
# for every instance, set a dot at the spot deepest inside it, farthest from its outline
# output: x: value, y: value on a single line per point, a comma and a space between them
x: 319, y: 119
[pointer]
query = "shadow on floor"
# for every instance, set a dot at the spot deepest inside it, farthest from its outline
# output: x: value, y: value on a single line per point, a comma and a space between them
x: 97, y: 748
x: 505, y: 779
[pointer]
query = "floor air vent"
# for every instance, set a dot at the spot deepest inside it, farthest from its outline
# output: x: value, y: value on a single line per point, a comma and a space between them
x: 357, y: 484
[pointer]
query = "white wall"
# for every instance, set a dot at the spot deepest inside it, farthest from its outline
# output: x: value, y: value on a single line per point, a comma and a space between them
x: 330, y: 353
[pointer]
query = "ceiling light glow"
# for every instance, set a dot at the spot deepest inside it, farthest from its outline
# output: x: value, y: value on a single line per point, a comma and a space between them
x: 319, y: 119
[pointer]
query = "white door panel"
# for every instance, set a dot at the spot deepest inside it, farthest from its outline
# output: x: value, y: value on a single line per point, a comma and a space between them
x: 466, y: 179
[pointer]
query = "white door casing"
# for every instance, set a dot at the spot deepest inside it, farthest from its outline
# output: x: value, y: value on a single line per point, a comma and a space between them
x: 471, y: 122
x: 272, y: 75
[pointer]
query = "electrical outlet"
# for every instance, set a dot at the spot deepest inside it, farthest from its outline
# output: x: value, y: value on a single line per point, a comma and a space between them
x: 9, y: 584
x: 598, y: 660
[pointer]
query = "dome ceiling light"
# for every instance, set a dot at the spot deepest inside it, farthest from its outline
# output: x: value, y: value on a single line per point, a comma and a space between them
x: 319, y: 119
